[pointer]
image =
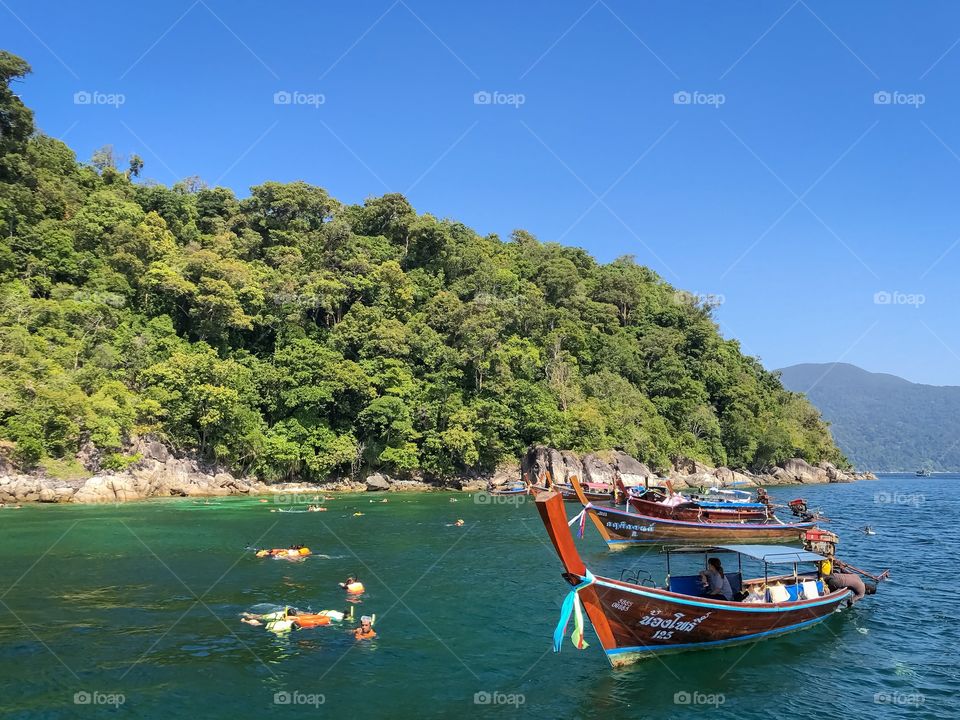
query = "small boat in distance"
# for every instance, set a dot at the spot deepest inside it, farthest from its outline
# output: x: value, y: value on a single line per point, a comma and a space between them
x: 592, y: 491
x: 635, y: 620
x: 517, y: 488
x: 923, y: 472
x: 867, y: 530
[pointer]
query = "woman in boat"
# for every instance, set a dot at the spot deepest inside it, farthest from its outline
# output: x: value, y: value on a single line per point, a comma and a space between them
x: 715, y: 581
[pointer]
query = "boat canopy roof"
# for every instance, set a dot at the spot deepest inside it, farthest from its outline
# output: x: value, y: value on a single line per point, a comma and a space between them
x: 770, y: 554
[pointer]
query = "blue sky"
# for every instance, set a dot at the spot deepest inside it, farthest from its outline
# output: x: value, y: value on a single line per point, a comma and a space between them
x: 824, y: 215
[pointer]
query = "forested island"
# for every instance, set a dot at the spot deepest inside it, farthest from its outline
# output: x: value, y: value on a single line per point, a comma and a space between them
x: 291, y: 336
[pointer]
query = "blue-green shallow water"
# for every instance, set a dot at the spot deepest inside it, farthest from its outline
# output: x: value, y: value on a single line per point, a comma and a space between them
x: 104, y: 599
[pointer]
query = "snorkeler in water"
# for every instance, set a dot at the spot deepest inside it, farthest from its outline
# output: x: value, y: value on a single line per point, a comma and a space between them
x: 365, y: 631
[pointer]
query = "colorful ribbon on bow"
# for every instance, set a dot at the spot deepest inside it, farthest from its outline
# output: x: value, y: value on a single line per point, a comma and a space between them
x: 572, y: 606
x: 580, y: 517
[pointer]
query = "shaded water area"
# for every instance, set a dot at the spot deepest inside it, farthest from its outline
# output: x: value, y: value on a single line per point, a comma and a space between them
x: 143, y: 600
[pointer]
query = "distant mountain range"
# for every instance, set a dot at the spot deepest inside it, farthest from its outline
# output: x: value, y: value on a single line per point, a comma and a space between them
x: 883, y: 422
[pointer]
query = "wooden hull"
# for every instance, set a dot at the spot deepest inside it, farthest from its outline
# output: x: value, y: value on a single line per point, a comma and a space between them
x: 511, y: 491
x: 644, y: 622
x: 693, y: 514
x: 621, y: 529
x: 633, y: 621
x: 570, y: 495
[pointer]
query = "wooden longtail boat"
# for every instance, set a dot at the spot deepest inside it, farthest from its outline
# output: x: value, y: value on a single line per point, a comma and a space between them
x: 593, y: 492
x: 655, y: 501
x: 514, y: 489
x: 622, y: 528
x: 634, y: 621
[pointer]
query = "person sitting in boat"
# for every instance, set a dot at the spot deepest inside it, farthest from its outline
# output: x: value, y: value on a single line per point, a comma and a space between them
x: 715, y: 582
x: 365, y: 631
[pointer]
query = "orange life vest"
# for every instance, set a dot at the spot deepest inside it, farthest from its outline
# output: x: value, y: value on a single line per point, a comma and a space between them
x: 311, y: 621
x: 359, y: 634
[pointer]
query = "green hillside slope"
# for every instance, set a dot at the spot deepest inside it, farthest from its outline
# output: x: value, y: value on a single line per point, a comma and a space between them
x: 881, y: 421
x: 288, y: 334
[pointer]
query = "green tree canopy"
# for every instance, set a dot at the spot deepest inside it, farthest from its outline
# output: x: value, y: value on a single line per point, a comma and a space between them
x: 291, y: 335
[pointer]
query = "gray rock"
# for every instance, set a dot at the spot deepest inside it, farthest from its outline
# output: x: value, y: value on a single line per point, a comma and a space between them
x: 632, y: 471
x: 505, y: 473
x: 596, y: 470
x: 377, y: 482
x: 802, y: 472
x: 156, y: 451
x: 47, y: 495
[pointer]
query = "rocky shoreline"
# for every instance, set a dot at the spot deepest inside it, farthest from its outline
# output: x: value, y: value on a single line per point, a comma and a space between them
x: 159, y: 473
x: 685, y: 473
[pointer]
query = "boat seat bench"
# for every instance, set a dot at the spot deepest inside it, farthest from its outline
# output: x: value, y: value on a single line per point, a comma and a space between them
x: 692, y: 585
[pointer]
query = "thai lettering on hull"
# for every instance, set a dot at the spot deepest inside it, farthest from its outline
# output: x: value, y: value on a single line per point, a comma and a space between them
x: 634, y: 529
x: 667, y: 625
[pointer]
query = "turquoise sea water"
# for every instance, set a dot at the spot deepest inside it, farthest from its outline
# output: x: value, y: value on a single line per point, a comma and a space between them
x: 141, y: 602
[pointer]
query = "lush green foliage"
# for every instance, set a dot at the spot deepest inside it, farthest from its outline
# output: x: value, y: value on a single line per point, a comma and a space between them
x: 291, y: 335
x: 881, y: 421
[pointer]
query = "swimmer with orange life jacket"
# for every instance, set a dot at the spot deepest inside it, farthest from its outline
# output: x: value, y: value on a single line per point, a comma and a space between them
x: 288, y: 618
x: 352, y: 585
x: 365, y: 631
x: 294, y: 552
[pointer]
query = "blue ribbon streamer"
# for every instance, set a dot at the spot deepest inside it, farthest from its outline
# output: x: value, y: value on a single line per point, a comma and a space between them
x: 566, y: 610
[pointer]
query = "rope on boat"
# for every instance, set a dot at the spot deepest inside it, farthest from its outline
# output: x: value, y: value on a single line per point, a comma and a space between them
x: 572, y: 606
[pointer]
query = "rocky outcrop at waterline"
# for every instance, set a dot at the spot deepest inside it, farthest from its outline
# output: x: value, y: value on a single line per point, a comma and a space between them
x: 160, y: 473
x: 684, y: 473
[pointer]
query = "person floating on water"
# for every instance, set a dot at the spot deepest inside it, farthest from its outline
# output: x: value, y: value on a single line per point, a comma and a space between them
x: 365, y: 631
x: 352, y: 585
x: 294, y: 552
x: 276, y: 622
x: 288, y: 618
x: 715, y: 581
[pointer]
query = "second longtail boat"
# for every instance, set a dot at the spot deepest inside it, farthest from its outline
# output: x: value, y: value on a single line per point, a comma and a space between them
x: 621, y: 528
